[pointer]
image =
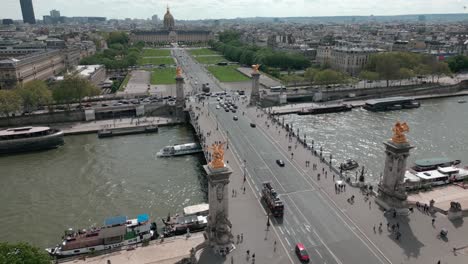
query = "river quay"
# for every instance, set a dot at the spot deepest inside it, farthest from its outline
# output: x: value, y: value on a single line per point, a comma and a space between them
x: 123, y: 123
x: 169, y: 251
x: 296, y: 108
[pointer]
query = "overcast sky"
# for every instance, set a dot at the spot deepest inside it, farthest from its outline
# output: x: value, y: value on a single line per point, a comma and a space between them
x: 201, y: 9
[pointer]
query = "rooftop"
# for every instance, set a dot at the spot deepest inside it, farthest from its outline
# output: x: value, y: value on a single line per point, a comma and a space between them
x: 22, y: 130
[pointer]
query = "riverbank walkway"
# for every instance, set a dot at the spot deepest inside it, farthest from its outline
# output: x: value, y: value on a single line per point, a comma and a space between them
x: 419, y: 241
x: 90, y: 127
x: 295, y: 108
x: 170, y: 251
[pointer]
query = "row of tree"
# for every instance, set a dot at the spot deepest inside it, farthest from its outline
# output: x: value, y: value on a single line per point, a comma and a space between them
x: 458, y: 63
x: 23, y: 253
x: 31, y: 95
x: 317, y: 76
x: 402, y: 65
x: 119, y: 55
x: 233, y: 49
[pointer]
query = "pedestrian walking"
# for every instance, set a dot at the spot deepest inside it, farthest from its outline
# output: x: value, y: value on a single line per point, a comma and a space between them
x: 244, y: 189
x: 248, y: 254
x: 433, y: 221
x: 374, y: 228
x: 238, y: 238
x: 242, y: 237
x: 274, y: 246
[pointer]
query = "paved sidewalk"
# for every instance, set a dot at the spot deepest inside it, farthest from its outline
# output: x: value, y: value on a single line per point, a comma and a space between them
x: 94, y: 126
x: 245, y: 212
x: 171, y: 251
x: 419, y: 242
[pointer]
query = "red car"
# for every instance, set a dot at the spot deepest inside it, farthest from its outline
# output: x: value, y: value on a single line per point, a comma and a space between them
x: 302, y: 253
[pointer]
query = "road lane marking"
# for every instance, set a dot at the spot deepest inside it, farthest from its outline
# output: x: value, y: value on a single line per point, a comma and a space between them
x: 312, y: 244
x: 251, y: 182
x: 295, y: 165
x: 318, y: 253
x: 325, y: 245
x: 289, y: 244
x: 281, y: 230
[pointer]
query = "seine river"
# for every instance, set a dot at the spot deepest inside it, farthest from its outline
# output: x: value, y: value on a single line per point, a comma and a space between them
x: 438, y: 128
x: 89, y: 179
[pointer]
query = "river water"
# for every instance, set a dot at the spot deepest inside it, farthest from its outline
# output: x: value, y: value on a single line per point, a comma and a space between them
x: 88, y: 179
x: 438, y: 128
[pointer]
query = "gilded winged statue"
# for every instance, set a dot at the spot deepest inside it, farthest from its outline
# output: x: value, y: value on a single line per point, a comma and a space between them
x: 218, y: 156
x: 398, y: 132
x: 178, y: 72
x: 255, y: 68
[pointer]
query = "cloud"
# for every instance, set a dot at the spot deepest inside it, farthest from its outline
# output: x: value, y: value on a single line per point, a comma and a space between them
x: 199, y: 9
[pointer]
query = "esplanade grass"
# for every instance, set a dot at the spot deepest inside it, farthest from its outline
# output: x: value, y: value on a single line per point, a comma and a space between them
x: 196, y: 52
x: 227, y: 73
x: 163, y: 76
x: 156, y: 61
x: 155, y: 52
x: 210, y: 59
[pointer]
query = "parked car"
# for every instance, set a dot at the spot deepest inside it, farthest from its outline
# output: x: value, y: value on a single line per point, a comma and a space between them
x: 302, y: 252
x: 218, y: 107
x: 235, y: 118
x: 280, y: 162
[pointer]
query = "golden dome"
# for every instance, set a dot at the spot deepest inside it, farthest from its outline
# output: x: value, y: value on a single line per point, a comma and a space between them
x: 168, y: 20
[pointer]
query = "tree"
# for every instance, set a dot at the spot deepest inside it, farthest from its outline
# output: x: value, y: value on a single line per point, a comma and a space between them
x: 405, y: 73
x: 310, y: 74
x: 458, y: 63
x: 439, y: 69
x: 34, y: 94
x: 73, y: 89
x: 10, y: 102
x: 329, y: 77
x: 23, y: 253
x: 387, y: 67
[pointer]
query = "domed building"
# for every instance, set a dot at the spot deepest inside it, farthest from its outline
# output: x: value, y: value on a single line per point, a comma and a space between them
x: 168, y: 20
x: 169, y: 34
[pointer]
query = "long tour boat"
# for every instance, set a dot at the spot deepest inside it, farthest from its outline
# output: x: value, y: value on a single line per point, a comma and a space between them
x: 117, y: 232
x: 179, y: 150
x: 434, y: 172
x: 22, y: 139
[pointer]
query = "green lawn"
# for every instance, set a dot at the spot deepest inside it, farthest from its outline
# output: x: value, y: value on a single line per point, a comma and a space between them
x: 156, y: 61
x: 156, y: 52
x: 210, y: 59
x: 203, y: 52
x: 227, y: 73
x: 163, y: 76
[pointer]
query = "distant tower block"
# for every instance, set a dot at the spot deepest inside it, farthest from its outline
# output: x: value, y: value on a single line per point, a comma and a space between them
x: 392, y: 194
x: 218, y: 231
x: 255, y: 94
x: 180, y: 96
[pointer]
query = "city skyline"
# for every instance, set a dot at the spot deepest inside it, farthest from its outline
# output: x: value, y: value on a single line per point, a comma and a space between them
x: 218, y: 9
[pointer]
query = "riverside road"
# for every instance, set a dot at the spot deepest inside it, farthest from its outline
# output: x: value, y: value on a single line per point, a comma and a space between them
x: 310, y: 215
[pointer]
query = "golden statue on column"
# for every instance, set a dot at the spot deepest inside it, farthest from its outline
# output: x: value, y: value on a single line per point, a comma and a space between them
x: 178, y: 72
x: 255, y: 68
x: 398, y: 132
x: 218, y: 156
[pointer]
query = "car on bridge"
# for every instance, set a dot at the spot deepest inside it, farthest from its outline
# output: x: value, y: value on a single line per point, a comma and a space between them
x: 280, y: 162
x: 302, y: 252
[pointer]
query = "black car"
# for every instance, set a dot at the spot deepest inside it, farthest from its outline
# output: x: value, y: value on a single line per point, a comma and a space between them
x: 280, y: 162
x: 226, y: 109
x: 253, y: 125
